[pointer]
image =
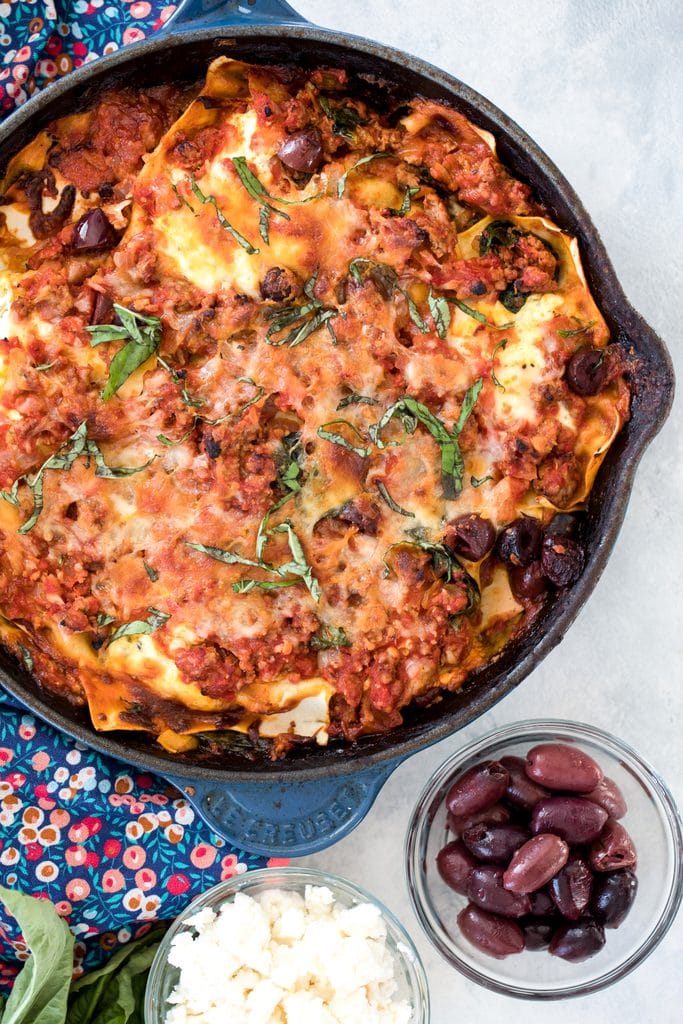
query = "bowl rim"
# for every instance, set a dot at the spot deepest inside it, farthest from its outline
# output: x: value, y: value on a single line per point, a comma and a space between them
x: 557, y: 729
x: 402, y: 945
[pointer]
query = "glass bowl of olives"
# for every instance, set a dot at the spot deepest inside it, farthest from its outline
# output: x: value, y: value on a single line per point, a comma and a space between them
x: 545, y: 860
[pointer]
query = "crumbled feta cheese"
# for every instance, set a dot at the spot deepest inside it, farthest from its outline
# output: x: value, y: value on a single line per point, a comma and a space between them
x: 283, y: 958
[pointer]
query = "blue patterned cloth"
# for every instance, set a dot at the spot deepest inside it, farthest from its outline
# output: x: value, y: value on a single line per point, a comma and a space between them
x: 41, y: 40
x: 113, y: 848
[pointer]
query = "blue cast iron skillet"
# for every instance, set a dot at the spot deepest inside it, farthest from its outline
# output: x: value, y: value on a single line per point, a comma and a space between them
x: 310, y: 801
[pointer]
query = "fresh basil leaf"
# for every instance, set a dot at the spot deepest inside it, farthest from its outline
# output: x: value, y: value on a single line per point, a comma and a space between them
x: 341, y: 184
x: 328, y: 637
x: 152, y: 573
x: 387, y: 279
x: 143, y: 336
x: 298, y: 566
x: 140, y: 626
x: 26, y: 657
x: 468, y: 403
x: 42, y: 367
x: 404, y: 208
x: 500, y: 344
x: 258, y: 192
x: 452, y: 463
x: 222, y: 219
x: 339, y: 439
x: 171, y: 444
x: 570, y: 334
x: 41, y: 989
x: 63, y: 459
x: 244, y: 586
x: 356, y: 399
x: 113, y: 994
x: 441, y: 313
x: 105, y: 620
x: 178, y: 378
x: 299, y: 318
x: 264, y: 223
x: 476, y: 315
x: 478, y: 481
x: 183, y: 200
x: 221, y: 555
x: 394, y: 506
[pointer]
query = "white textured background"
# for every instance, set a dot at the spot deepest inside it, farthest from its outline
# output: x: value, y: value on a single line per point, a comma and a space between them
x: 599, y: 85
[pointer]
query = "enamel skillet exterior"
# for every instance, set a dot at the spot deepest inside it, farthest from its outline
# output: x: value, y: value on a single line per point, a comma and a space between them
x: 308, y: 802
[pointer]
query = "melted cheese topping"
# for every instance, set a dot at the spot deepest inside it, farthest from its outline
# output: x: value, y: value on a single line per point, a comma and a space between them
x: 227, y: 430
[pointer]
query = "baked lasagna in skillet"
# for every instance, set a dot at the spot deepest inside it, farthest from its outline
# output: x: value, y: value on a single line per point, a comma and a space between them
x: 299, y: 399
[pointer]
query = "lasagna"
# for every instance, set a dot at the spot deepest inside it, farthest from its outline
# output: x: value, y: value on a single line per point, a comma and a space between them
x: 300, y: 396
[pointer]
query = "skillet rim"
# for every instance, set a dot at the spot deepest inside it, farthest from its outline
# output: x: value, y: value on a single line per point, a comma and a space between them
x: 652, y: 398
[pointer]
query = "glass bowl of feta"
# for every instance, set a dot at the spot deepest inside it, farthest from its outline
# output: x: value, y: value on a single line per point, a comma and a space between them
x: 283, y: 946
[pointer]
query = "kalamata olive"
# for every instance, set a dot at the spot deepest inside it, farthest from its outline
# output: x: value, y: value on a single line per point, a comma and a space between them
x: 485, y: 888
x: 494, y: 844
x: 562, y: 560
x: 454, y: 863
x: 542, y: 904
x: 101, y: 309
x: 579, y: 940
x: 522, y: 791
x: 470, y: 536
x: 303, y: 150
x: 527, y: 581
x: 558, y: 766
x: 571, y: 888
x: 572, y: 818
x: 535, y: 863
x: 538, y: 931
x: 613, y: 896
x: 494, y: 935
x: 481, y: 786
x: 613, y: 849
x: 586, y: 371
x: 279, y: 284
x: 520, y: 542
x: 495, y: 815
x: 609, y: 796
x: 93, y: 233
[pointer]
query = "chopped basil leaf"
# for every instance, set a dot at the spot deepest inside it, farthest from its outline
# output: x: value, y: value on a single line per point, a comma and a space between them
x: 178, y: 378
x: 478, y: 481
x: 104, y: 620
x: 142, y: 335
x: 26, y: 657
x: 297, y: 567
x: 441, y: 313
x: 345, y: 120
x: 500, y: 344
x: 169, y: 443
x: 335, y: 438
x: 183, y: 200
x: 258, y: 192
x: 222, y: 219
x: 570, y: 334
x: 299, y: 318
x: 387, y: 278
x: 356, y: 399
x: 411, y: 412
x: 264, y: 223
x: 406, y: 204
x: 341, y: 184
x: 42, y: 367
x: 329, y: 636
x: 152, y: 573
x: 394, y: 506
x: 260, y: 392
x: 63, y: 459
x: 476, y: 315
x: 140, y: 626
x: 447, y: 565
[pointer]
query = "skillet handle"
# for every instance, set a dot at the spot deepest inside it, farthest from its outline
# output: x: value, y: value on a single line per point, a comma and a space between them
x: 286, y: 819
x: 198, y: 13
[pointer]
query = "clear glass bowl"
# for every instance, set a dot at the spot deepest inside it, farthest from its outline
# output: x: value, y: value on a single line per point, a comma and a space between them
x: 652, y: 820
x: 410, y: 973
